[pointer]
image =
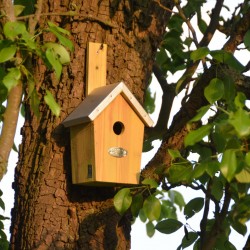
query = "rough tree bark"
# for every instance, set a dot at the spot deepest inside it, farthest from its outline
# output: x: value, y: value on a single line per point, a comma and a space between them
x: 49, y: 212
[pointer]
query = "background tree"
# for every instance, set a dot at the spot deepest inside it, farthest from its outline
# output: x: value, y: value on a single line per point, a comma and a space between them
x: 51, y: 213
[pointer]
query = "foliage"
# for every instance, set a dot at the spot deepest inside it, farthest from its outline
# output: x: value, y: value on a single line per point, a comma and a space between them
x: 4, y: 244
x: 220, y: 143
x: 17, y: 46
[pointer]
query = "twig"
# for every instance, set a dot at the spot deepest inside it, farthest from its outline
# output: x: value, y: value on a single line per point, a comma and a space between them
x: 203, y: 43
x: 164, y: 7
x: 187, y: 21
x: 33, y: 21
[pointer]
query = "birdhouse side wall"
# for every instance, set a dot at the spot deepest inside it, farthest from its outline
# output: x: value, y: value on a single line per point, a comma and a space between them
x: 82, y: 153
x: 118, y: 127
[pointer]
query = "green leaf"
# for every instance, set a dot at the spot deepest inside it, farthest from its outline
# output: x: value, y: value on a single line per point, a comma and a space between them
x: 247, y: 40
x: 136, y: 205
x: 3, y: 218
x: 13, y: 29
x: 122, y: 200
x: 219, y: 140
x: 241, y: 122
x: 152, y: 208
x: 217, y: 188
x: 62, y: 39
x: 18, y: 9
x: 243, y: 176
x: 168, y: 210
x: 202, y: 25
x: 53, y: 105
x: 197, y: 135
x: 3, y: 236
x: 240, y: 100
x: 214, y: 91
x: 30, y: 80
x: 2, y: 205
x: 227, y: 58
x: 177, y: 198
x: 189, y: 239
x: 31, y: 44
x: 239, y: 227
x: 200, y: 113
x: 4, y: 244
x: 63, y: 54
x: 174, y: 153
x: 212, y: 168
x: 199, y: 170
x: 150, y: 182
x: 228, y: 164
x: 193, y: 207
x: 142, y: 216
x: 12, y: 78
x: 180, y: 173
x: 197, y: 245
x: 229, y: 89
x: 229, y: 246
x: 7, y: 53
x: 161, y: 56
x: 58, y: 29
x: 199, y: 54
x: 247, y: 158
x: 150, y: 229
x: 54, y: 61
x: 168, y: 226
x: 14, y: 147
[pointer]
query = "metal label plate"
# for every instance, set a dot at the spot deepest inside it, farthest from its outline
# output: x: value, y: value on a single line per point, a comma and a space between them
x: 118, y: 152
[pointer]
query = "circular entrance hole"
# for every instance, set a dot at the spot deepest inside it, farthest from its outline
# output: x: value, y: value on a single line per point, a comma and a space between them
x: 118, y: 128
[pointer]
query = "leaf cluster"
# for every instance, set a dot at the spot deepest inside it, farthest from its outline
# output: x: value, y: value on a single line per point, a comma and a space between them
x: 17, y: 46
x: 4, y: 244
x: 220, y: 143
x: 151, y: 205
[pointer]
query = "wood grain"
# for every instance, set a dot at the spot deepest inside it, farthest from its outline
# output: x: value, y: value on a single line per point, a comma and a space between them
x: 96, y: 66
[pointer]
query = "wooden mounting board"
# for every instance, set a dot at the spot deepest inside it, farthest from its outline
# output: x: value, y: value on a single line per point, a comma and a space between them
x: 96, y: 66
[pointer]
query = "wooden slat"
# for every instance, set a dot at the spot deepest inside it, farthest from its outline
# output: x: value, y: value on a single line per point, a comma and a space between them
x: 96, y: 66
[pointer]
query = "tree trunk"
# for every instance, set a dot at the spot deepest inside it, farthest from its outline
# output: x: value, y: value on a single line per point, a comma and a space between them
x: 49, y: 212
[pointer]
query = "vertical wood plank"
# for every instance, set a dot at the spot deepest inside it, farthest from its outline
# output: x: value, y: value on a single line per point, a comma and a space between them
x: 96, y: 66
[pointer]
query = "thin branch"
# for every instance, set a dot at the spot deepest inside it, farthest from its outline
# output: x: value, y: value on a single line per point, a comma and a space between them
x: 9, y: 126
x: 167, y: 101
x: 33, y: 21
x: 187, y: 21
x: 164, y: 7
x: 239, y: 31
x: 214, y: 21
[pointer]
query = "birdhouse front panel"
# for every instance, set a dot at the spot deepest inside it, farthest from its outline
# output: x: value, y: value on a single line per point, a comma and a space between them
x: 118, y: 136
x: 106, y: 132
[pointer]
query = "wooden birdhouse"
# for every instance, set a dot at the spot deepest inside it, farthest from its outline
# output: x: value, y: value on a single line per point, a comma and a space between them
x: 106, y: 133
